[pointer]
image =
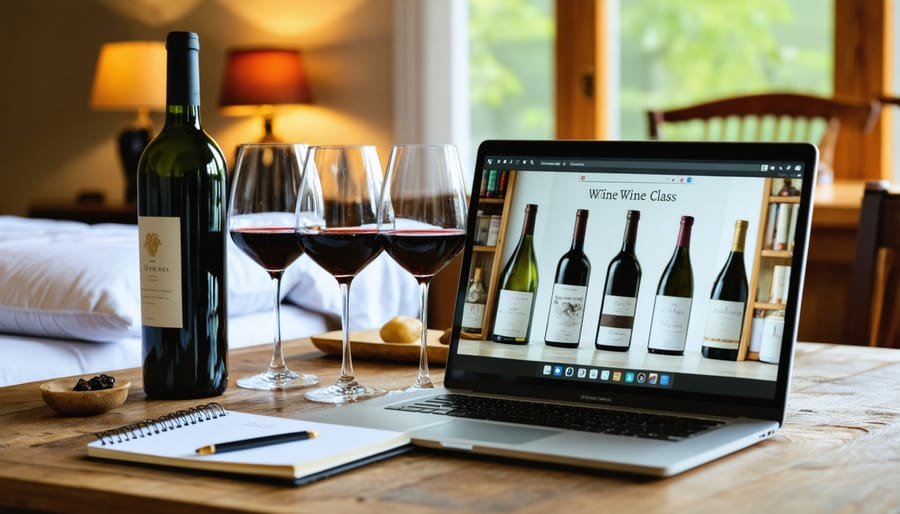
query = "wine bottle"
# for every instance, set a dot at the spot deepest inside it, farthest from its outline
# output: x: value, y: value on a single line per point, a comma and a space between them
x: 672, y: 307
x: 181, y: 226
x: 569, y: 291
x: 623, y: 279
x: 728, y: 303
x: 473, y: 308
x: 518, y: 284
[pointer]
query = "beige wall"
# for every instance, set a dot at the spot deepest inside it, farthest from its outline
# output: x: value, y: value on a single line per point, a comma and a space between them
x: 52, y: 145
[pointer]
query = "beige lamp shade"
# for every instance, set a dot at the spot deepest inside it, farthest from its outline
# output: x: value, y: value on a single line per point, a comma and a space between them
x: 130, y: 75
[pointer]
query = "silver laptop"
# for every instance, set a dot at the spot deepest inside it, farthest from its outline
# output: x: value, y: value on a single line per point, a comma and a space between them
x: 639, y: 310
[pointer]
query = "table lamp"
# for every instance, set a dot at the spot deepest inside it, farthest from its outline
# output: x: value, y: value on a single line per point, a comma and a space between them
x: 131, y: 76
x: 257, y: 81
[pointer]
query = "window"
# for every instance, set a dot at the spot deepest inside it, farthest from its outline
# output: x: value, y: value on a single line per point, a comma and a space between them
x: 674, y: 53
x: 664, y: 53
x: 511, y: 44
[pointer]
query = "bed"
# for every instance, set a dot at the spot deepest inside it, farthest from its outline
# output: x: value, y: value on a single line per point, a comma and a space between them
x: 70, y: 299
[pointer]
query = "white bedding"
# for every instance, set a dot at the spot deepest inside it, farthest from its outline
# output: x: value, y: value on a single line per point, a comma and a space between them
x: 69, y: 299
x: 28, y: 359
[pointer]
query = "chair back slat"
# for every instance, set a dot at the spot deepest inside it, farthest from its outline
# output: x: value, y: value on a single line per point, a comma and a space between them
x: 873, y: 316
x: 769, y: 117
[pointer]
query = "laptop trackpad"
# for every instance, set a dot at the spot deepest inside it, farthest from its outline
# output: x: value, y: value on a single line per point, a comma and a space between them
x: 487, y: 432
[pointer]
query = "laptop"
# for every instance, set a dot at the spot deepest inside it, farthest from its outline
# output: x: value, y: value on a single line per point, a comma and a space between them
x: 572, y: 356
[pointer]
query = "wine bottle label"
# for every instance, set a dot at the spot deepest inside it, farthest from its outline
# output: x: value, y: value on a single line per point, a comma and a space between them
x: 671, y: 315
x: 619, y: 305
x: 160, y: 259
x: 780, y: 281
x: 493, y: 231
x: 724, y: 321
x: 782, y: 226
x: 566, y: 313
x: 473, y: 315
x: 616, y: 320
x: 770, y: 344
x: 513, y: 313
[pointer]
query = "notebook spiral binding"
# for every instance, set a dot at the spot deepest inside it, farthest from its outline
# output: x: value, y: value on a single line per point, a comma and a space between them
x: 170, y: 421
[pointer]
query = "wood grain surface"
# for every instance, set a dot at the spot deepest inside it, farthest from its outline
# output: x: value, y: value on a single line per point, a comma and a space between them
x: 838, y: 452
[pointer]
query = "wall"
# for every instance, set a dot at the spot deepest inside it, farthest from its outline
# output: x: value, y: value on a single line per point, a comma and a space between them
x: 52, y: 145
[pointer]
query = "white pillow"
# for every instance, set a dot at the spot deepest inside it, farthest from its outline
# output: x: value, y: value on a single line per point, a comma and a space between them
x: 78, y: 283
x: 72, y: 280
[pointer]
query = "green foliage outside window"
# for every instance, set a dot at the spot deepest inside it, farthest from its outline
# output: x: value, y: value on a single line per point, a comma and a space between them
x: 671, y: 53
x: 678, y: 52
x: 511, y: 69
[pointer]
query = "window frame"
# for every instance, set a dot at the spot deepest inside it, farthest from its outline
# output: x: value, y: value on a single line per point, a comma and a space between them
x: 862, y: 70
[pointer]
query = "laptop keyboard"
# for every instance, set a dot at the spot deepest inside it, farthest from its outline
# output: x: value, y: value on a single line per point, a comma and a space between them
x: 606, y: 421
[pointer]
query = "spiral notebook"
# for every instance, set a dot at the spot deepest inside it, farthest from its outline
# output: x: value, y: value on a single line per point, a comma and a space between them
x: 172, y: 440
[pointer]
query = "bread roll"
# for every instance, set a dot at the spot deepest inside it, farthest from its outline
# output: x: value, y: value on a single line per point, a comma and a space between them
x: 401, y: 329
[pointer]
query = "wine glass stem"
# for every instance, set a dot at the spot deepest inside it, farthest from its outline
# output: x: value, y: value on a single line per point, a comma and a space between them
x: 423, y: 379
x: 347, y: 375
x: 277, y: 365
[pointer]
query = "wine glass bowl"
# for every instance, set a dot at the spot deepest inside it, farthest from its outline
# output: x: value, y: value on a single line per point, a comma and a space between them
x: 261, y: 223
x: 336, y: 226
x: 422, y: 220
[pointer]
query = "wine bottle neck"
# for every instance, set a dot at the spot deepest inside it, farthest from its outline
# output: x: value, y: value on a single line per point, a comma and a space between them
x: 740, y: 235
x: 631, y: 226
x: 530, y: 216
x: 580, y: 229
x: 183, y: 115
x: 183, y: 79
x: 684, y: 233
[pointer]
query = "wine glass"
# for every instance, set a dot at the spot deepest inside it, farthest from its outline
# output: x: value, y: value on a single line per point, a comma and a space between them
x: 422, y: 220
x: 337, y: 228
x: 261, y: 223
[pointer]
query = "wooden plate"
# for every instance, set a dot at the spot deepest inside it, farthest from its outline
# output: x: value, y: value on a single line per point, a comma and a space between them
x: 59, y: 395
x: 367, y: 344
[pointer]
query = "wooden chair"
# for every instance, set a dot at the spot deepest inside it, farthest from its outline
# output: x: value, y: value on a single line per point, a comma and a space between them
x: 768, y: 117
x: 874, y: 309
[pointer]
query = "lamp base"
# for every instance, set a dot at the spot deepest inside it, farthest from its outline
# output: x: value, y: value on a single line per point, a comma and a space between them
x: 132, y: 142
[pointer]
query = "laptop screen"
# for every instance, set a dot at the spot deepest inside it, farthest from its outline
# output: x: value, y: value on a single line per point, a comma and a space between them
x: 643, y: 269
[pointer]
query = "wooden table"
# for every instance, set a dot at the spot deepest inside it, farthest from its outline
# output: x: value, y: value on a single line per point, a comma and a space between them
x: 838, y: 452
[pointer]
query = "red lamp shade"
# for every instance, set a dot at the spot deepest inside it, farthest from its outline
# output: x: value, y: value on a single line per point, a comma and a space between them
x: 263, y: 77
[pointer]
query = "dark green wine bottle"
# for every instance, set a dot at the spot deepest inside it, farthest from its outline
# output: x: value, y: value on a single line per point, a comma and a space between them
x: 623, y: 280
x: 518, y: 285
x: 674, y: 297
x: 181, y: 226
x: 567, y: 300
x: 728, y: 303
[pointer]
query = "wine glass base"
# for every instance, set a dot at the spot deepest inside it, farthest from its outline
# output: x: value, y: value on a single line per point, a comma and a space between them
x: 343, y: 393
x: 420, y: 385
x: 277, y: 380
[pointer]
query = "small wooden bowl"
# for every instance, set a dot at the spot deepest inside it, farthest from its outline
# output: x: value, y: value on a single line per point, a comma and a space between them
x: 59, y: 395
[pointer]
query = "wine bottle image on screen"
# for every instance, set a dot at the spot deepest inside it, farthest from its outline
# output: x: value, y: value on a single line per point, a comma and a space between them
x: 181, y: 226
x: 623, y: 279
x: 473, y: 308
x: 569, y: 290
x: 672, y: 307
x: 518, y: 284
x: 728, y: 303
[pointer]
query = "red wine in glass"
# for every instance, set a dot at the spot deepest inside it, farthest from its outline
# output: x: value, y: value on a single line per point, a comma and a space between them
x: 423, y: 252
x: 341, y: 252
x: 261, y: 222
x: 272, y: 248
x: 422, y: 220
